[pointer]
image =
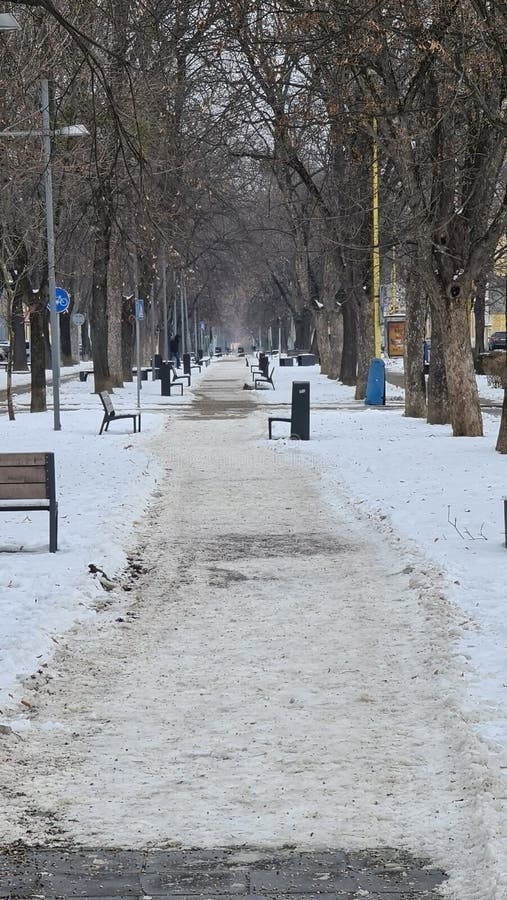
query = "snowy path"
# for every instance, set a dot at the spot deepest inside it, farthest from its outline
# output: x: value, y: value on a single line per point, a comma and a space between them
x: 283, y: 675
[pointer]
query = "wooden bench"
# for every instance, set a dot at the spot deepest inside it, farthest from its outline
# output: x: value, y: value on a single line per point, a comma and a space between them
x: 265, y: 379
x: 111, y: 416
x: 27, y: 483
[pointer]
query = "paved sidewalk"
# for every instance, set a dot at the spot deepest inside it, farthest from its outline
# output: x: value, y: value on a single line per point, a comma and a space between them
x: 270, y: 681
x: 216, y: 874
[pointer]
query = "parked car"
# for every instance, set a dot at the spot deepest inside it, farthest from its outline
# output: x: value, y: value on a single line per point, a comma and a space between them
x: 497, y: 340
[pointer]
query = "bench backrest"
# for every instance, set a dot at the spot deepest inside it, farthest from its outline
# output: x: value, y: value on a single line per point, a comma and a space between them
x: 107, y: 403
x: 27, y: 476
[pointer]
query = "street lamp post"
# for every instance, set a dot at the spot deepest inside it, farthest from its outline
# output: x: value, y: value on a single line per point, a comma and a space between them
x: 46, y: 133
x: 50, y: 231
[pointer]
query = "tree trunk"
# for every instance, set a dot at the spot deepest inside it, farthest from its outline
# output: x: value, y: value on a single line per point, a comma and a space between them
x: 65, y: 341
x: 127, y: 337
x: 438, y: 400
x: 99, y: 312
x: 415, y: 382
x: 114, y: 286
x: 336, y: 344
x: 501, y: 443
x: 38, y: 401
x: 303, y: 326
x: 19, y: 363
x: 323, y: 343
x: 86, y: 347
x: 348, y: 374
x: 364, y: 344
x: 465, y: 411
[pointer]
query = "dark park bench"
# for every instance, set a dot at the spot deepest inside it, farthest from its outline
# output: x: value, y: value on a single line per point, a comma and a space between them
x: 27, y: 483
x: 83, y: 375
x: 265, y: 379
x: 261, y: 367
x: 111, y: 416
x: 144, y: 373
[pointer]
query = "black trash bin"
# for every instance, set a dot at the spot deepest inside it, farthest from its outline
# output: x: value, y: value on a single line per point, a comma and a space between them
x: 307, y: 359
x: 186, y: 364
x: 300, y: 411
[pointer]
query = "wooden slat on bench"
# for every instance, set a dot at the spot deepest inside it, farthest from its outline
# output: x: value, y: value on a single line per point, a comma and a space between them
x: 22, y: 475
x: 23, y: 491
x: 22, y: 459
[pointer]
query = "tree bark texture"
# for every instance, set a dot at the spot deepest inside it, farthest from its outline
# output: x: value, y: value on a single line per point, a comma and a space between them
x: 38, y: 401
x: 415, y: 322
x: 364, y: 344
x: 438, y: 399
x: 464, y: 407
x: 99, y: 313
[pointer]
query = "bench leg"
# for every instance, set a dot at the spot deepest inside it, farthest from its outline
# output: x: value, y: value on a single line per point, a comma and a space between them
x: 104, y: 421
x: 53, y: 528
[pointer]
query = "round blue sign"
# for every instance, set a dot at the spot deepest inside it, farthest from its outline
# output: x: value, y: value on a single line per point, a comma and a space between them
x: 62, y: 300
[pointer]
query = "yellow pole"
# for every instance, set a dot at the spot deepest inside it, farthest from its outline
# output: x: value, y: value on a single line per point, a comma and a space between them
x: 393, y: 306
x: 376, y: 247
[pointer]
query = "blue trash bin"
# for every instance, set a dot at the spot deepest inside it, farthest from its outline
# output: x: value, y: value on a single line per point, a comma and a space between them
x: 376, y: 384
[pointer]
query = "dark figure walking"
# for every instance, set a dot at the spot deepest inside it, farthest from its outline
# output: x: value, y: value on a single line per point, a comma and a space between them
x: 174, y: 349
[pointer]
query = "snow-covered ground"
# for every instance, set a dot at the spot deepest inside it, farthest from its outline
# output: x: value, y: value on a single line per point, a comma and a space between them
x: 440, y: 497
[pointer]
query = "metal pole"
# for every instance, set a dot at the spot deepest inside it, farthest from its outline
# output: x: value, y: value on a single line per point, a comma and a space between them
x: 188, y: 340
x: 376, y: 246
x: 279, y: 341
x: 152, y: 329
x: 182, y: 315
x: 164, y: 300
x: 138, y: 330
x: 50, y: 230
